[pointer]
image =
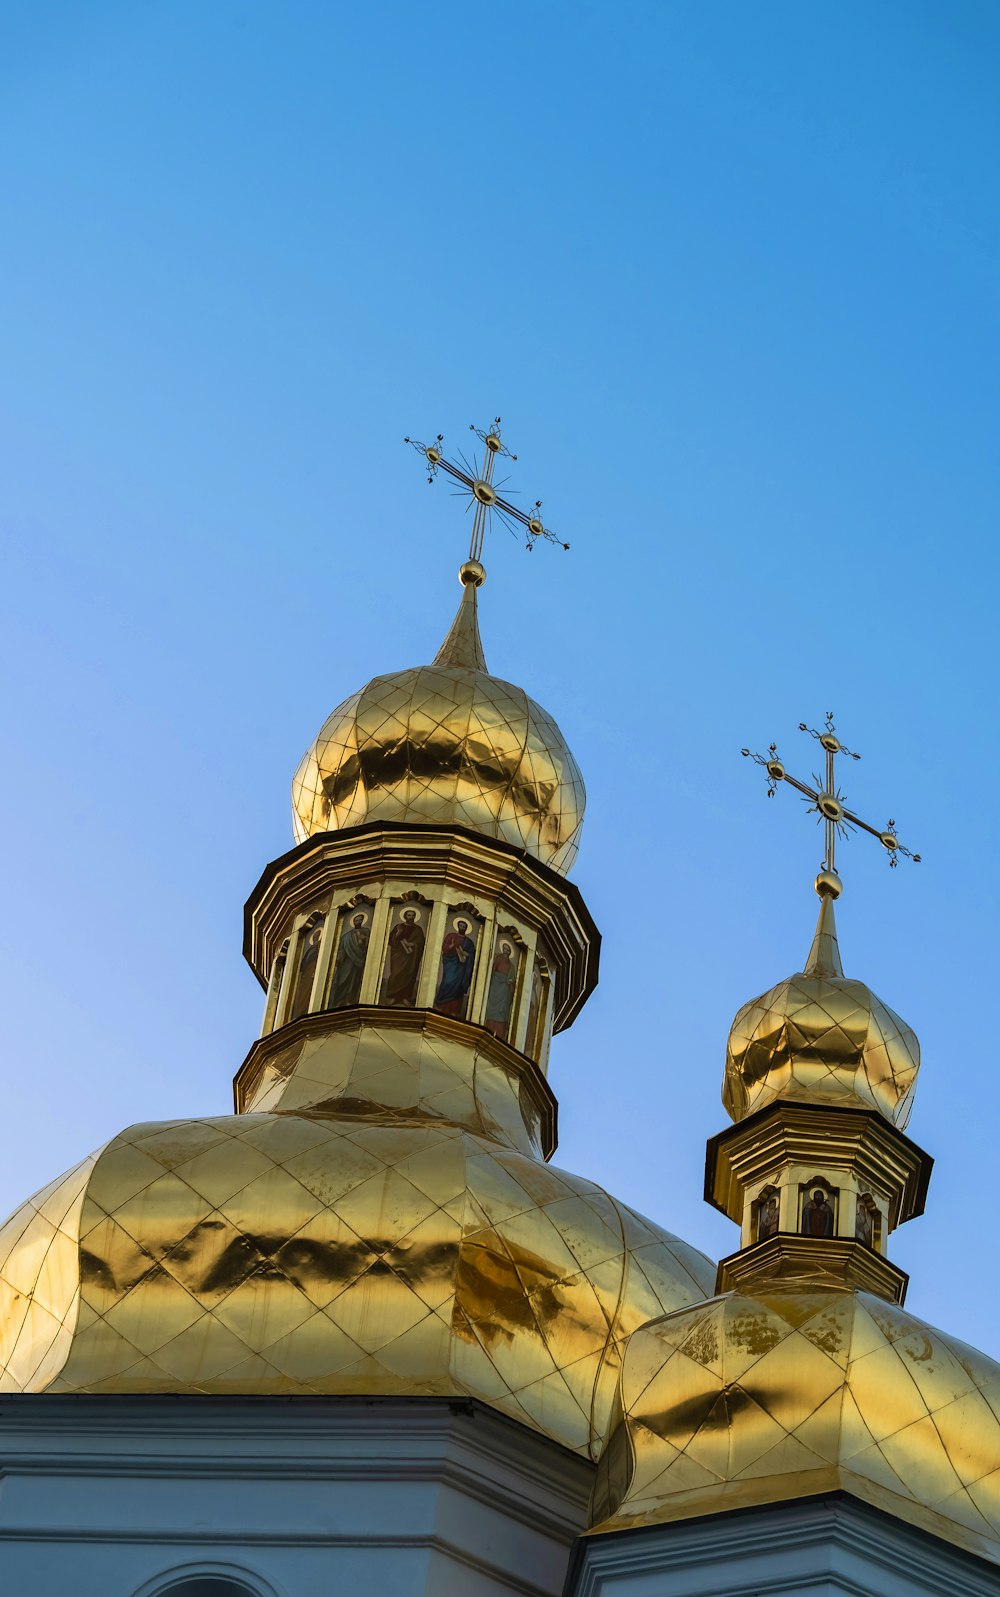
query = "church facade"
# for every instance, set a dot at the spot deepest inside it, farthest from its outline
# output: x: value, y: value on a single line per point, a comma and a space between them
x: 363, y: 1332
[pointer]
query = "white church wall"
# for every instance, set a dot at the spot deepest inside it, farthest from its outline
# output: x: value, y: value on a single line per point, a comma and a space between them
x: 174, y: 1497
x: 834, y: 1546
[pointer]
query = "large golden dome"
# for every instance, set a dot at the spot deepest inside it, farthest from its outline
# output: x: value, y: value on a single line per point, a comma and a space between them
x: 378, y: 1218
x: 351, y: 1248
x: 445, y: 743
x: 789, y: 1391
x: 822, y: 1038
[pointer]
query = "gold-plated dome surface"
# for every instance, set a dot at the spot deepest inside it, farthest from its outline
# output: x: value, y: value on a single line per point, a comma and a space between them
x: 821, y: 1038
x: 445, y: 743
x: 746, y: 1400
x: 287, y: 1253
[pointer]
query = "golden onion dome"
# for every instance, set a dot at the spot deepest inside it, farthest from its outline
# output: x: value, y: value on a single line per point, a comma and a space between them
x: 795, y: 1390
x: 820, y: 1037
x: 310, y: 1254
x: 445, y: 743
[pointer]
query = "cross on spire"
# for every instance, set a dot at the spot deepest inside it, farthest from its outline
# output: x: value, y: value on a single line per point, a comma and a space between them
x: 479, y: 490
x: 826, y: 800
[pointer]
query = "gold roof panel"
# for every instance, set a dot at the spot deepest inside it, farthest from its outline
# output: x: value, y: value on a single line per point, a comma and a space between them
x: 822, y: 1038
x: 791, y: 1390
x: 294, y: 1253
x: 443, y: 744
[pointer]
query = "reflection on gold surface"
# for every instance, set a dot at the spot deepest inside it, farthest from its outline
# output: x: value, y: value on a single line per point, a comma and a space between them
x: 40, y: 1282
x: 382, y: 1224
x: 445, y: 744
x: 284, y: 1253
x: 802, y: 1378
x: 388, y: 1065
x: 377, y: 1219
x: 751, y: 1399
x: 822, y: 1038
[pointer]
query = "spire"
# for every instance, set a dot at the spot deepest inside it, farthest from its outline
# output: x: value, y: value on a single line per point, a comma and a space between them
x: 824, y: 955
x: 819, y: 1080
x: 463, y: 646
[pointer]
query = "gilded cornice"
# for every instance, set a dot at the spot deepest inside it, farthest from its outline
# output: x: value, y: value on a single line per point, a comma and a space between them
x: 465, y: 859
x: 789, y: 1132
x: 277, y: 1053
x: 837, y: 1262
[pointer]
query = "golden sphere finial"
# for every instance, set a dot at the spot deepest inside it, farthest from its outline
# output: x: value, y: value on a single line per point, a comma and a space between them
x: 828, y: 884
x: 472, y: 571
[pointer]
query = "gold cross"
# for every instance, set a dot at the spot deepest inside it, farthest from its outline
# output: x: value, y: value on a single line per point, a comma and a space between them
x: 826, y: 800
x: 481, y: 492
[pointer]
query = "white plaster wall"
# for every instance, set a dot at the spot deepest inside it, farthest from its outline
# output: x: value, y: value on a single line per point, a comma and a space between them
x: 121, y: 1497
x: 834, y: 1546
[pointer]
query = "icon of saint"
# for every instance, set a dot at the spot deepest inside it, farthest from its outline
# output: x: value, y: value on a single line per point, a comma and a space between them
x: 458, y: 958
x: 306, y: 973
x: 402, y: 970
x: 532, y: 1041
x: 817, y: 1216
x: 500, y: 994
x: 352, y: 952
x: 864, y: 1225
x: 767, y: 1217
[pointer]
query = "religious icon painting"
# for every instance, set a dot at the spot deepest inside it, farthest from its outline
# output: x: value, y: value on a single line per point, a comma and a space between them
x: 505, y: 975
x: 404, y: 952
x: 766, y: 1209
x: 538, y: 1002
x: 312, y: 934
x: 353, y: 935
x: 868, y: 1222
x: 457, y: 961
x: 275, y: 984
x: 818, y: 1208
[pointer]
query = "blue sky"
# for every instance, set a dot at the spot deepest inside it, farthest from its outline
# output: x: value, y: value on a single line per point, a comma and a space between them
x: 729, y: 274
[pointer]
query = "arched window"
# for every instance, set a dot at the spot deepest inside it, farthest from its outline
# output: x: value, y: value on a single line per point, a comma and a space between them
x: 206, y: 1586
x: 206, y: 1582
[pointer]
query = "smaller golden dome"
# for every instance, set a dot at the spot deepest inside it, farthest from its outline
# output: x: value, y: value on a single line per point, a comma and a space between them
x: 821, y: 1038
x: 445, y: 744
x: 794, y: 1390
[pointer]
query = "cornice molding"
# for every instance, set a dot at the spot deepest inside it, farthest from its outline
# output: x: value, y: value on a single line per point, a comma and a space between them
x: 529, y: 1077
x: 826, y: 1525
x: 805, y: 1133
x: 483, y: 865
x: 812, y: 1261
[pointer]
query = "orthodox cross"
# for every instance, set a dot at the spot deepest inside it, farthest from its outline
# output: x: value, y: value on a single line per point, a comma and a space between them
x: 481, y: 493
x: 825, y: 799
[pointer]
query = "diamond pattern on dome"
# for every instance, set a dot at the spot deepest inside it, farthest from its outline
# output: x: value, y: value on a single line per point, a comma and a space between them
x: 290, y: 1252
x: 822, y: 1038
x: 39, y: 1281
x: 747, y: 1400
x: 444, y: 745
